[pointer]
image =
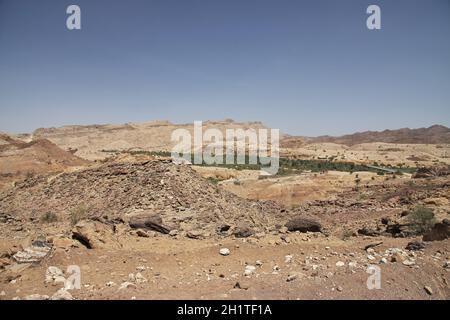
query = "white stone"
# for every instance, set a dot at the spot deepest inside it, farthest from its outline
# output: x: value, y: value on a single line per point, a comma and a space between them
x: 249, y: 270
x: 62, y: 294
x: 126, y: 285
x: 224, y: 251
x: 409, y: 262
x: 139, y: 278
x: 340, y: 264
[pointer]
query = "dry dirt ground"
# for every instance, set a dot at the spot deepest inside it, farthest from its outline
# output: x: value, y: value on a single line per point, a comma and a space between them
x: 194, y: 269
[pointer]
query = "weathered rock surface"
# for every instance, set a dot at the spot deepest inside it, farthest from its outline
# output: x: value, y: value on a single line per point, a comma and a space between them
x: 440, y: 231
x: 94, y: 234
x: 149, y: 221
x: 303, y: 225
x: 183, y: 200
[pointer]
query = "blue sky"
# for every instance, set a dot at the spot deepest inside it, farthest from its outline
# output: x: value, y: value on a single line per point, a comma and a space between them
x: 307, y: 67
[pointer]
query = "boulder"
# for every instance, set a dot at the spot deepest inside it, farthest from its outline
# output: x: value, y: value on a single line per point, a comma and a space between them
x: 94, y: 235
x: 196, y: 234
x: 34, y: 253
x: 303, y: 225
x: 148, y: 221
x: 415, y: 245
x: 365, y: 231
x: 440, y: 231
x: 242, y: 230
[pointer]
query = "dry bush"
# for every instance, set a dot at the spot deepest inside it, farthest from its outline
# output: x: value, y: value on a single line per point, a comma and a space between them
x: 49, y: 217
x: 78, y: 213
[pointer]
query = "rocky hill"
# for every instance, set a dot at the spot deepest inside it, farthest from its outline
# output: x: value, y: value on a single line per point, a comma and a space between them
x: 94, y: 141
x: 182, y: 199
x: 19, y: 159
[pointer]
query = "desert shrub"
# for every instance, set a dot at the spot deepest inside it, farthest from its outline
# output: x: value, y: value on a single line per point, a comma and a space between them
x: 78, y: 213
x: 421, y: 219
x: 49, y: 217
x: 29, y: 174
x: 213, y: 180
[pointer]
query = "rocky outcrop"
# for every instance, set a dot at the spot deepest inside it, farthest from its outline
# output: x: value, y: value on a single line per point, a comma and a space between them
x: 148, y: 221
x: 94, y: 235
x: 440, y: 231
x: 303, y: 225
x: 135, y: 191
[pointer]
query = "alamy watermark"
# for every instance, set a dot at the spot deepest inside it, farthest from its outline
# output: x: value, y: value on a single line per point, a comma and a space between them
x: 235, y: 146
x: 71, y: 278
x: 73, y: 21
x: 374, y: 280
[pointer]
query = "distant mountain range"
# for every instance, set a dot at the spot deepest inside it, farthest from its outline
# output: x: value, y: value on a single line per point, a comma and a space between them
x: 435, y: 134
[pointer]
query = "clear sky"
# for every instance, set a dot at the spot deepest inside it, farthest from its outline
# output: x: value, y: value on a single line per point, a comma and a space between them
x: 307, y: 67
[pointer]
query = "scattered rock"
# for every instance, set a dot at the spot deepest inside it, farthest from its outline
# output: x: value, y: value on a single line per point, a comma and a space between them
x: 409, y: 262
x: 224, y: 251
x: 195, y: 234
x: 372, y: 245
x: 368, y: 232
x: 139, y: 278
x: 54, y: 275
x: 340, y: 264
x: 249, y: 269
x: 142, y: 233
x: 62, y: 294
x: 428, y: 290
x: 288, y: 259
x: 127, y: 285
x: 242, y: 286
x: 292, y: 277
x: 415, y: 246
x: 243, y: 231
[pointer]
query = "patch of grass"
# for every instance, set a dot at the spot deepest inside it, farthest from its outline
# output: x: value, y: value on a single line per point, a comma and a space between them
x: 421, y: 219
x: 49, y: 217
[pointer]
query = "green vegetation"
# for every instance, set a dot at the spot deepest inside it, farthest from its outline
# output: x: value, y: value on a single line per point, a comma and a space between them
x: 288, y: 166
x: 213, y: 180
x: 421, y: 219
